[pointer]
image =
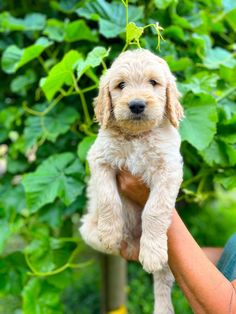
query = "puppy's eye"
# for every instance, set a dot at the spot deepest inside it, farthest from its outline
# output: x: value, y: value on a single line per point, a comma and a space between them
x: 121, y: 85
x: 153, y: 82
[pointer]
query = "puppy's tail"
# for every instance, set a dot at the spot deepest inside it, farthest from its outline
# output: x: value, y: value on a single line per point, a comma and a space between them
x: 163, y: 281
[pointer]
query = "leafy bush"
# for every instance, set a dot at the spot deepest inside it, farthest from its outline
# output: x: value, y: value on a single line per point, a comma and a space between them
x: 52, y: 55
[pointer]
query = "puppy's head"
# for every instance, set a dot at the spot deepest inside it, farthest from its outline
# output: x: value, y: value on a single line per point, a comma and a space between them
x: 137, y: 93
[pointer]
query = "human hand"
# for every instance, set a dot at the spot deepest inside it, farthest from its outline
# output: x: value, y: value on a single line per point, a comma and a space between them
x: 130, y: 251
x: 132, y: 187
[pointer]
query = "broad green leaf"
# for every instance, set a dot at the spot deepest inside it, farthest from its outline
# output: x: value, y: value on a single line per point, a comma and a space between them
x: 227, y: 112
x: 50, y: 180
x: 41, y: 254
x: 52, y: 215
x: 219, y: 153
x: 50, y: 126
x: 163, y: 4
x: 201, y: 44
x: 94, y: 59
x: 199, y: 124
x: 55, y: 29
x: 60, y: 74
x: 66, y: 6
x: 9, y: 116
x: 216, y: 57
x: 174, y: 32
x: 39, y: 297
x: 111, y: 16
x: 78, y: 30
x: 22, y: 83
x: 84, y: 146
x: 44, y: 251
x: 231, y: 18
x: 179, y: 64
x: 227, y: 179
x: 12, y: 201
x: 13, y: 57
x: 69, y: 32
x: 200, y: 82
x: 31, y: 22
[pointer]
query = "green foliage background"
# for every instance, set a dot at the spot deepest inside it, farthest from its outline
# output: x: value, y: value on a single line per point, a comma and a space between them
x: 52, y: 55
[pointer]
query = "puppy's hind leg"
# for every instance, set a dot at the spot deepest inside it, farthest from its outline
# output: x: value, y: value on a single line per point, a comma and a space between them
x: 163, y: 281
x: 89, y: 233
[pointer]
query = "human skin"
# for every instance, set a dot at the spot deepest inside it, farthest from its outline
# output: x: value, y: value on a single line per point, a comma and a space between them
x: 206, y: 289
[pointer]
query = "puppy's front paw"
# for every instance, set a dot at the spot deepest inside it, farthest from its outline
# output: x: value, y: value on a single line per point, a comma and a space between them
x: 110, y: 233
x: 153, y: 256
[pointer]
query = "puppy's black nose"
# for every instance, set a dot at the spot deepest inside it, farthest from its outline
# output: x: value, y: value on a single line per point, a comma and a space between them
x: 137, y: 106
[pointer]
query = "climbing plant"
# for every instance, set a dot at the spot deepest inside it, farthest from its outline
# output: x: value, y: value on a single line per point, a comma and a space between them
x: 52, y: 55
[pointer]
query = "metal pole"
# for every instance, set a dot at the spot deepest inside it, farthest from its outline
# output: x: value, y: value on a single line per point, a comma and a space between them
x: 114, y: 284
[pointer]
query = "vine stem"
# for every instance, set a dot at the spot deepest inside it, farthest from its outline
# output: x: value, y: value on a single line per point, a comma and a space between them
x: 88, y: 89
x: 68, y: 264
x: 226, y: 94
x: 83, y: 101
x: 46, y: 111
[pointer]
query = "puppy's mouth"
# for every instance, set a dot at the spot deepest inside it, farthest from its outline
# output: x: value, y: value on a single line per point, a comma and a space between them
x: 138, y: 117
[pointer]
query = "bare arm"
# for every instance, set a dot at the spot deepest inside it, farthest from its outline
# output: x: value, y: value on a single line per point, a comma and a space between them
x: 207, y: 290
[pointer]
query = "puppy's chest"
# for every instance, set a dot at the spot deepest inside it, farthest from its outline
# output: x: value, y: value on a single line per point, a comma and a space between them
x: 134, y: 156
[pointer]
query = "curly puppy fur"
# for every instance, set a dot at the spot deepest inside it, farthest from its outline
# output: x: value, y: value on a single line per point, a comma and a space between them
x: 139, y: 112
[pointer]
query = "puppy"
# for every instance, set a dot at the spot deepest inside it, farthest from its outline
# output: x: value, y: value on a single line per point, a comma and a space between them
x: 138, y: 110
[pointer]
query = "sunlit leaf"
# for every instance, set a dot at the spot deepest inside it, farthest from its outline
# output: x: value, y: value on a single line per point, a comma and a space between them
x: 52, y: 180
x: 13, y: 57
x: 60, y: 74
x: 199, y: 124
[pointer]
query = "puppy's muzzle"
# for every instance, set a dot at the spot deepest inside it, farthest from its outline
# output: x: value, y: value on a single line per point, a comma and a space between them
x: 137, y: 106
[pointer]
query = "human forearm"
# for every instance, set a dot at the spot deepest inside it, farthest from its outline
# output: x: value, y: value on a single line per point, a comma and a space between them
x: 207, y: 290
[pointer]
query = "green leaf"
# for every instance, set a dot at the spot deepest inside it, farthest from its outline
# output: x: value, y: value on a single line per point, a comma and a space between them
x: 22, y: 83
x: 49, y: 127
x: 199, y: 124
x: 231, y: 18
x: 60, y: 74
x: 55, y: 30
x: 39, y: 297
x: 94, y: 59
x: 174, y: 32
x: 13, y: 57
x: 228, y: 5
x: 10, y: 116
x: 84, y: 146
x: 111, y: 16
x: 69, y: 32
x: 78, y: 30
x: 163, y: 4
x: 52, y: 215
x: 5, y: 233
x: 200, y: 82
x: 133, y: 32
x: 216, y: 57
x: 65, y: 6
x: 227, y: 179
x: 32, y: 22
x: 219, y: 153
x: 52, y: 180
x: 179, y: 64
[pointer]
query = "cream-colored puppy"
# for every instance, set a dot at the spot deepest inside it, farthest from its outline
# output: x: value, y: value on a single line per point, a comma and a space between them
x: 139, y: 112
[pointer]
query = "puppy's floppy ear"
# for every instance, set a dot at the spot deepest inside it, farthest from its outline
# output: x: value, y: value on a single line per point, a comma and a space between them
x: 103, y: 102
x: 174, y: 110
